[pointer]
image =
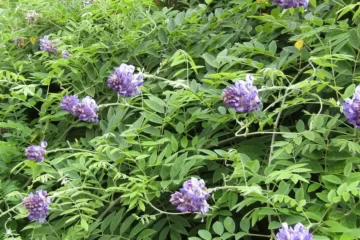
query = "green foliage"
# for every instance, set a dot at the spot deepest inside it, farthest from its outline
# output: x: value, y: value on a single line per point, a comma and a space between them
x: 293, y: 161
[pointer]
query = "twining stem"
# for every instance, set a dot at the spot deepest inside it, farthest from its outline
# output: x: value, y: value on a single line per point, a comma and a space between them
x: 287, y: 92
x: 210, y: 190
x: 258, y: 235
x: 116, y: 201
x: 119, y: 104
x: 68, y: 149
x: 164, y: 212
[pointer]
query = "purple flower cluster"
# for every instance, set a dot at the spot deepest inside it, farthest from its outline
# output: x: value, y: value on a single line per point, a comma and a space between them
x: 86, y: 110
x: 68, y: 102
x: 36, y: 152
x: 191, y: 197
x: 352, y: 108
x: 38, y: 206
x: 65, y: 54
x: 243, y: 96
x: 299, y: 232
x: 124, y: 81
x: 292, y: 3
x: 47, y: 45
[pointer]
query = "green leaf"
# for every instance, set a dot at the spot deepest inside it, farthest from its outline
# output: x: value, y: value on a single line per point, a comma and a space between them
x: 273, y: 47
x: 218, y: 228
x: 313, y: 187
x: 274, y: 225
x: 229, y: 224
x: 174, y: 144
x: 239, y: 235
x: 145, y: 233
x: 164, y: 232
x: 84, y: 224
x: 180, y: 127
x: 104, y: 68
x: 205, y: 234
x: 313, y: 3
x: 223, y: 40
x: 349, y: 91
x: 309, y: 135
x: 297, y: 140
x: 126, y: 224
x: 245, y: 224
x: 354, y: 39
x: 184, y: 142
x: 300, y: 126
x: 179, y: 18
x: 162, y: 36
x: 135, y: 230
x: 332, y: 179
x: 177, y: 165
x: 336, y: 226
x: 210, y: 59
x: 347, y: 169
x: 116, y: 220
x: 345, y: 10
x: 155, y: 104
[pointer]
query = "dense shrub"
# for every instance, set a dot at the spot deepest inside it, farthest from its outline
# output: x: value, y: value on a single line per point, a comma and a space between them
x: 110, y: 174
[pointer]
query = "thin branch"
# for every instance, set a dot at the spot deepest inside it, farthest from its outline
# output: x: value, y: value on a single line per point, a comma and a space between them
x: 161, y: 211
x: 287, y: 92
x: 116, y: 201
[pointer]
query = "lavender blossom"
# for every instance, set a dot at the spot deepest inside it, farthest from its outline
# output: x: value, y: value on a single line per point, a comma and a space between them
x: 299, y: 232
x: 192, y: 197
x: 292, y: 3
x: 36, y: 152
x: 352, y: 108
x: 243, y: 96
x: 38, y: 206
x: 124, y: 81
x: 195, y: 189
x: 65, y: 54
x: 32, y: 16
x: 68, y: 102
x: 47, y: 45
x: 86, y: 110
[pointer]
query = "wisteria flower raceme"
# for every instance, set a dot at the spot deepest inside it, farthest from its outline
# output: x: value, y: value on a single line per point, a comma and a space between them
x: 48, y: 45
x: 38, y: 206
x: 191, y: 197
x: 32, y: 16
x: 299, y: 232
x: 65, y: 54
x: 195, y: 189
x: 124, y: 81
x: 352, y: 108
x: 68, y: 102
x: 36, y: 152
x: 86, y: 110
x: 243, y: 96
x: 292, y: 3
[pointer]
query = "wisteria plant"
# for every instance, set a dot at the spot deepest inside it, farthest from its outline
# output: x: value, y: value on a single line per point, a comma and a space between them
x: 156, y: 119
